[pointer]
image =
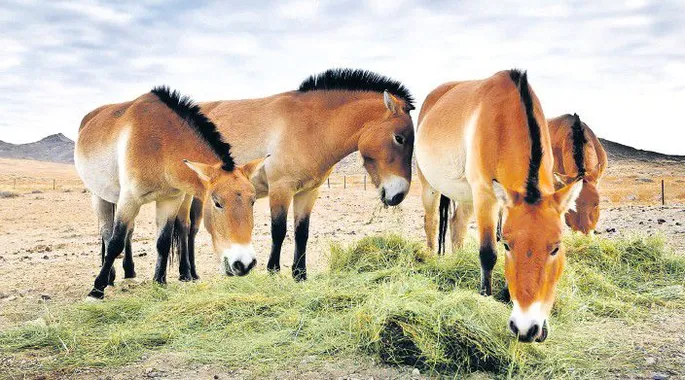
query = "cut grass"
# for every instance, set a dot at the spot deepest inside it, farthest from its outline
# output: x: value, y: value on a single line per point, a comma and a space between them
x: 385, y: 297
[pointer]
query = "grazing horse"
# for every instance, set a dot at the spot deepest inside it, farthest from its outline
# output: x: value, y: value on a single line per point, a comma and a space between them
x: 485, y: 144
x: 306, y: 132
x: 578, y: 154
x: 160, y: 147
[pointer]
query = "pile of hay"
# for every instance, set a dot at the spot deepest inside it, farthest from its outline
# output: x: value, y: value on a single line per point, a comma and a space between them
x: 383, y: 296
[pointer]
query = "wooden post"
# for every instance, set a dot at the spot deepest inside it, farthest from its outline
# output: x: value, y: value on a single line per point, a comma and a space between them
x: 15, y: 183
x: 344, y: 182
x: 54, y: 184
x: 329, y: 182
x: 364, y: 181
x: 663, y: 197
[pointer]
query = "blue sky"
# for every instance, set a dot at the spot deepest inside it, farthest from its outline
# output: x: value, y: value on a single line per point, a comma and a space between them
x: 621, y: 66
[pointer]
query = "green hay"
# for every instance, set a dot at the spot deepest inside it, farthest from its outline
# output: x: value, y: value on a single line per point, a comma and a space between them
x: 384, y: 297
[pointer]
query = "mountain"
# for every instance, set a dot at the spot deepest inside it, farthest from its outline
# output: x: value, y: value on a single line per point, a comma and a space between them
x: 54, y: 148
x: 60, y: 148
x: 619, y: 152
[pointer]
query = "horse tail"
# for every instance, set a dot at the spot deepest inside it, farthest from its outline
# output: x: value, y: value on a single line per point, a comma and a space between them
x: 176, y: 242
x: 443, y: 211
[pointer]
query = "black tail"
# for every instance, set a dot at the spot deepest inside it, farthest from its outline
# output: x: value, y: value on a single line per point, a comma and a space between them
x: 176, y: 237
x: 443, y: 211
x: 578, y: 144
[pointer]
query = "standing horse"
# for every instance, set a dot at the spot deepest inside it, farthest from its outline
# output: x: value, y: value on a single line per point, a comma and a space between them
x: 306, y: 132
x: 485, y: 143
x: 578, y: 154
x: 160, y: 147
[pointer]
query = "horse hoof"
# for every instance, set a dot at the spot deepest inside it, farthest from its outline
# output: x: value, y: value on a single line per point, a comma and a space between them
x: 195, y: 277
x: 273, y: 270
x: 299, y: 275
x: 95, y: 295
x: 185, y: 278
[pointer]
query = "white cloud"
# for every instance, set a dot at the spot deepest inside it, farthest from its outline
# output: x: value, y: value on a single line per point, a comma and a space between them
x: 620, y: 66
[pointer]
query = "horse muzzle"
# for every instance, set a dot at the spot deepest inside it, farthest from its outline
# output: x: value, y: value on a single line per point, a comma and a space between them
x: 238, y: 260
x: 394, y: 190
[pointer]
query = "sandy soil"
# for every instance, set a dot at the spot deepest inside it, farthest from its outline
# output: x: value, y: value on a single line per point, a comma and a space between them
x: 49, y: 248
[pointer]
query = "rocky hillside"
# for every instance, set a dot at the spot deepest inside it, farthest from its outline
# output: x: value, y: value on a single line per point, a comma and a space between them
x: 618, y: 152
x: 54, y: 148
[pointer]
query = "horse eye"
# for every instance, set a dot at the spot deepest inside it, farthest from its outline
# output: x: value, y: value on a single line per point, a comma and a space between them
x: 506, y: 246
x: 399, y: 139
x: 554, y: 251
x: 217, y: 204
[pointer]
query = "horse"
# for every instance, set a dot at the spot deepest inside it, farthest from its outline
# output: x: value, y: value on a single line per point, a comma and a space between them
x: 161, y: 148
x: 578, y: 154
x: 305, y: 133
x: 484, y: 144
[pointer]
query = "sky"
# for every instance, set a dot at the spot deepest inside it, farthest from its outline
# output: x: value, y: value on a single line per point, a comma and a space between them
x: 619, y: 65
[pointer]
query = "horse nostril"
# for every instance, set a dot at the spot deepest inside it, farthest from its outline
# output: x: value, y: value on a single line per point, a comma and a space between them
x: 252, y: 265
x: 533, y: 331
x: 239, y: 268
x: 396, y: 199
x: 513, y: 327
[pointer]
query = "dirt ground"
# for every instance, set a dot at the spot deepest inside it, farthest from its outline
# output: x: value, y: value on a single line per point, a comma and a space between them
x: 49, y: 247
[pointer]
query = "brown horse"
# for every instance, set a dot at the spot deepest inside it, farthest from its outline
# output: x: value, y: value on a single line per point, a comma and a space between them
x: 160, y: 147
x: 485, y: 143
x: 306, y: 132
x: 578, y: 154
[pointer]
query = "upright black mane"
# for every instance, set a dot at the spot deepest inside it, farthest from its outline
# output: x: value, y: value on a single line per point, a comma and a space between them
x: 190, y: 112
x: 579, y: 141
x: 532, y: 191
x: 357, y: 80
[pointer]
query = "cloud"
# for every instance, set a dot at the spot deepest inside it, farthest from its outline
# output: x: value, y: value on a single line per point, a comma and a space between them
x: 618, y: 65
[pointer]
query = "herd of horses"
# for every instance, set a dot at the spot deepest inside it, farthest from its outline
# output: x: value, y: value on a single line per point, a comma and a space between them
x: 482, y: 147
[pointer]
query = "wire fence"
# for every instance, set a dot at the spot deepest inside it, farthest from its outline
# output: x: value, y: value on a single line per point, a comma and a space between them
x: 670, y: 190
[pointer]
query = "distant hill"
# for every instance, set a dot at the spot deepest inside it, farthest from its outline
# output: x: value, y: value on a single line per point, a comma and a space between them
x: 54, y: 148
x: 60, y: 148
x: 619, y: 152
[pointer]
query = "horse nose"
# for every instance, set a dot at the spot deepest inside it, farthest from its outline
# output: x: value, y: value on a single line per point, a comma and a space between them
x: 396, y: 199
x: 239, y: 269
x: 530, y: 335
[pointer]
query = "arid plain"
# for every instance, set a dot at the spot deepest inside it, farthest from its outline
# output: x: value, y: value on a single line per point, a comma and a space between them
x: 50, y: 252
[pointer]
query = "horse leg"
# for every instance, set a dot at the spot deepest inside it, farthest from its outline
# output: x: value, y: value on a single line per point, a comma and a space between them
x: 302, y: 209
x: 195, y: 220
x: 459, y: 223
x: 181, y: 238
x: 429, y: 198
x: 167, y: 209
x: 129, y: 268
x: 279, y: 200
x: 105, y: 213
x: 126, y: 211
x: 486, y: 208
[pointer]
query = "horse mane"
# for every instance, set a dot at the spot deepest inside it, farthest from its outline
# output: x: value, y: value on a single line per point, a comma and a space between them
x: 190, y: 112
x: 520, y: 79
x: 579, y: 142
x: 357, y: 80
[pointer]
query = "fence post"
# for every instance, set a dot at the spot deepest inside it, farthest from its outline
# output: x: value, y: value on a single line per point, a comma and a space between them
x: 329, y: 182
x: 344, y: 182
x: 364, y: 181
x: 15, y: 183
x: 663, y: 197
x: 54, y: 184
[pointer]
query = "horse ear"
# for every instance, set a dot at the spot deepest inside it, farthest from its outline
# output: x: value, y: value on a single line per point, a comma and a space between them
x: 567, y: 195
x: 253, y: 167
x: 205, y: 172
x: 562, y: 179
x: 504, y: 196
x: 391, y: 103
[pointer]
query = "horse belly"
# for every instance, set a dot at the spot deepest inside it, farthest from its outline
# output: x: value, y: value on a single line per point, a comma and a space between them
x: 445, y: 171
x: 100, y: 173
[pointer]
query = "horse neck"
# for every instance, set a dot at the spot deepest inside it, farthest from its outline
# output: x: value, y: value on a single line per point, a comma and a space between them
x: 344, y: 124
